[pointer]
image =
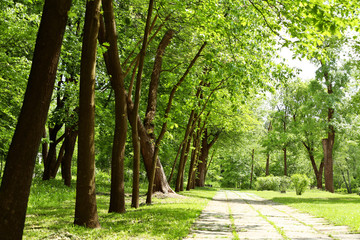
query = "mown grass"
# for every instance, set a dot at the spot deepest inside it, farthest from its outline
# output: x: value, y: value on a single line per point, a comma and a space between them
x: 339, y: 209
x: 51, y: 206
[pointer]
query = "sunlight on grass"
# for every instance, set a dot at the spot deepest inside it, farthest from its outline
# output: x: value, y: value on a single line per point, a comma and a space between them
x: 51, y: 211
x: 339, y: 209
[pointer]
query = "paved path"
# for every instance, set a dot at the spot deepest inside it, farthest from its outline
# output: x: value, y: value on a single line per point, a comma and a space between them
x: 239, y: 215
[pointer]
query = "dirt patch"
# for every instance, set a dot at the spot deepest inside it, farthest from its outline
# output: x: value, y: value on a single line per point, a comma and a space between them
x: 161, y: 195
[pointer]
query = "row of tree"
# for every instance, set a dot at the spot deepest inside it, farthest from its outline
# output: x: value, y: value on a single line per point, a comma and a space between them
x: 213, y: 59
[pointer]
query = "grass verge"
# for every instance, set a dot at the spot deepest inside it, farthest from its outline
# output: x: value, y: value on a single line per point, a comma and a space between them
x: 339, y: 209
x: 51, y: 205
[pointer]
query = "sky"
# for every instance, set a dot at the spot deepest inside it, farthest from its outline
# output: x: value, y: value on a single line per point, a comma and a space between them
x: 308, y: 69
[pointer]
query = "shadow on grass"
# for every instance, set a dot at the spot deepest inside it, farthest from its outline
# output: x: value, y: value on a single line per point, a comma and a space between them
x: 51, y: 211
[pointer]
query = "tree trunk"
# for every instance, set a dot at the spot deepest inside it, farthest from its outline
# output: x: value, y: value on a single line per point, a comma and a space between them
x: 117, y: 194
x: 135, y: 127
x: 20, y: 161
x: 267, y: 168
x: 59, y: 160
x: 328, y: 143
x: 85, y: 207
x: 346, y: 183
x: 202, y: 166
x: 252, y: 168
x: 194, y: 158
x: 328, y: 164
x: 44, y: 147
x: 70, y: 141
x: 151, y: 109
x: 318, y: 173
x: 147, y: 151
x: 183, y: 152
x: 50, y: 162
x: 284, y: 149
x: 285, y: 162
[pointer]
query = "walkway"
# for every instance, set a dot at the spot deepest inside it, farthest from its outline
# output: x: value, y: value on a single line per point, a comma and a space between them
x: 239, y: 215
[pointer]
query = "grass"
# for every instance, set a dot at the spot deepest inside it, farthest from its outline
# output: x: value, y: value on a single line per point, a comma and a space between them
x: 339, y: 209
x: 232, y: 220
x: 51, y: 206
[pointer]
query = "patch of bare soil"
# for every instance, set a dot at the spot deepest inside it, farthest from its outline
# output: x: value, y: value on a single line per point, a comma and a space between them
x: 167, y: 195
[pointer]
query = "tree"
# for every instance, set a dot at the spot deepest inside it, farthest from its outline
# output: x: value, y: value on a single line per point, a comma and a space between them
x: 86, y: 208
x: 117, y: 195
x: 20, y: 161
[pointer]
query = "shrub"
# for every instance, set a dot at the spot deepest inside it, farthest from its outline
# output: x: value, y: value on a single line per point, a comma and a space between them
x: 301, y: 182
x: 285, y: 182
x: 267, y: 183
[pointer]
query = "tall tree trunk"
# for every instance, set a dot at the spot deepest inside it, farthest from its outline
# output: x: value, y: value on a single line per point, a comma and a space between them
x: 44, y: 147
x: 267, y: 168
x: 346, y: 182
x: 193, y: 161
x: 284, y: 150
x: 252, y: 168
x: 59, y: 160
x: 202, y: 166
x: 70, y: 141
x: 147, y: 151
x: 285, y: 162
x: 135, y: 127
x: 117, y: 194
x: 328, y: 162
x: 151, y: 109
x: 195, y: 154
x: 182, y: 161
x: 318, y: 172
x: 328, y: 143
x: 85, y: 207
x: 50, y: 162
x: 20, y: 161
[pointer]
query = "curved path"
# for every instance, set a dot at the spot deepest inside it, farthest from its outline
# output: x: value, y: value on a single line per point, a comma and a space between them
x: 240, y: 215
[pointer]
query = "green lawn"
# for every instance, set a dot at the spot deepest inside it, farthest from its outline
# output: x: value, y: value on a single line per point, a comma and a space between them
x: 339, y: 209
x: 51, y: 211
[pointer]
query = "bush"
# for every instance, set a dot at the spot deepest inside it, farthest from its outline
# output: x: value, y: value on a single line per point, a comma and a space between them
x: 285, y: 182
x: 301, y: 182
x: 267, y: 183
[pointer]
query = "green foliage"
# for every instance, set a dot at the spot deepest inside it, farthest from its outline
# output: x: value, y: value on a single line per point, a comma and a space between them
x: 268, y: 183
x: 284, y: 184
x: 301, y: 183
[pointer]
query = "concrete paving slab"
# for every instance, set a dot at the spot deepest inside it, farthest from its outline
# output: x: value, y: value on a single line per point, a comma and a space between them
x: 240, y: 215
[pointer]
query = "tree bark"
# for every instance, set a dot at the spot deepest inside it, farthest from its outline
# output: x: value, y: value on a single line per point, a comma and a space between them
x: 70, y: 141
x: 285, y: 162
x: 182, y: 161
x: 20, y: 161
x: 328, y: 162
x: 85, y: 207
x: 252, y: 168
x: 202, y: 166
x: 151, y: 109
x: 328, y: 143
x: 284, y: 149
x: 50, y: 162
x: 117, y: 194
x: 44, y: 147
x: 135, y: 127
x: 318, y: 172
x: 267, y: 168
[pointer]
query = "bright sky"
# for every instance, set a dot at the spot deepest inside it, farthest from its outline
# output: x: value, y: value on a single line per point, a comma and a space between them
x: 308, y: 69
